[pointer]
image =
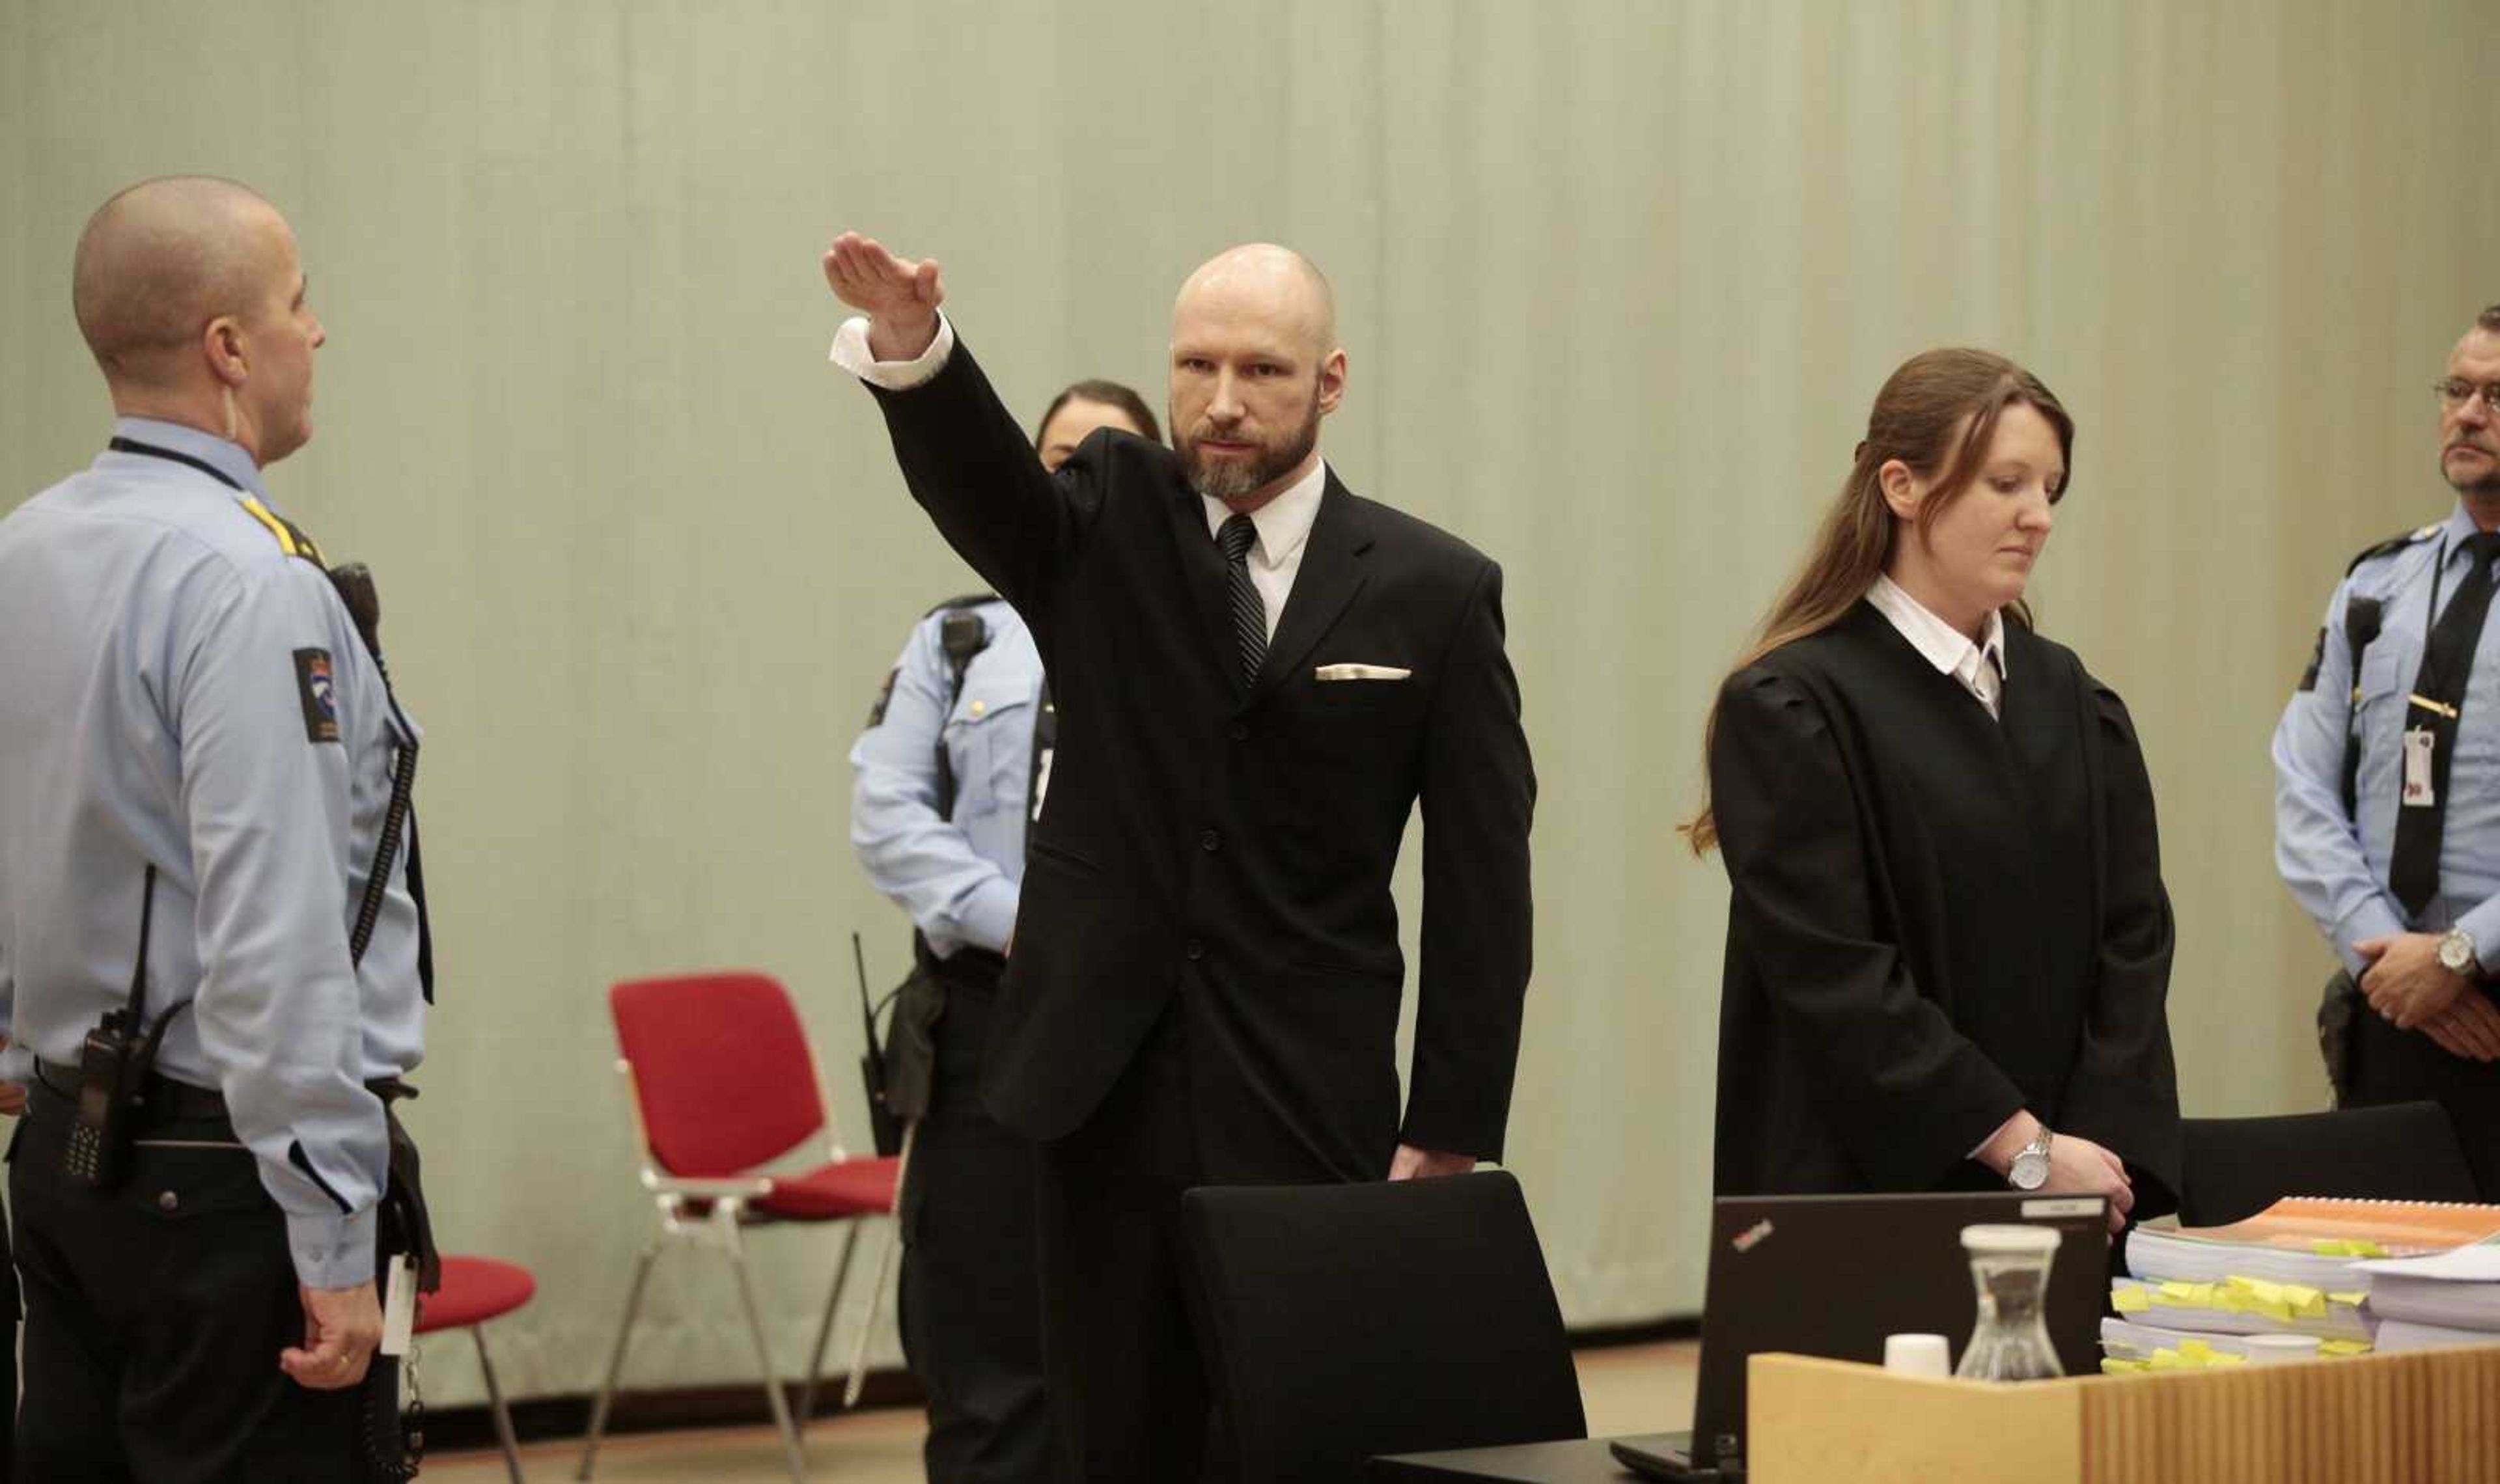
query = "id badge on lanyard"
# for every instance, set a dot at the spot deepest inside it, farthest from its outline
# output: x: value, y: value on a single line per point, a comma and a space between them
x: 2421, y: 745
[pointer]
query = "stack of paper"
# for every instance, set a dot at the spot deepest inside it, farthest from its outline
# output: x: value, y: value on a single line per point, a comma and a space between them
x: 2427, y: 1302
x: 2239, y: 1306
x: 2301, y: 1267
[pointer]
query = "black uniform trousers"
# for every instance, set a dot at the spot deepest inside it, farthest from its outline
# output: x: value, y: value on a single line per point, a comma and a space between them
x: 155, y: 1315
x: 2393, y: 1066
x: 970, y: 1300
x: 10, y: 1313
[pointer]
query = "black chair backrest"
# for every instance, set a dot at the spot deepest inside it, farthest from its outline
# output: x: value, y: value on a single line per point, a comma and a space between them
x: 1345, y: 1321
x: 2402, y: 1151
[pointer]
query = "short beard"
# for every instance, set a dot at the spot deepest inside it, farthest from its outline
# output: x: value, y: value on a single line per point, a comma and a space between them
x: 1229, y: 481
x: 2485, y: 489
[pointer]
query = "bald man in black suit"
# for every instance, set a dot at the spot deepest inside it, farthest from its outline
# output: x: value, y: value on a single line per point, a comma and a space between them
x: 1258, y: 676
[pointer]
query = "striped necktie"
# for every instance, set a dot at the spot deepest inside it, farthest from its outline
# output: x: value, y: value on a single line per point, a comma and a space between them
x: 1249, y: 614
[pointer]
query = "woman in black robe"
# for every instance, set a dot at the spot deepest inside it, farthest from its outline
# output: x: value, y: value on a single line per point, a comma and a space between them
x: 1948, y: 942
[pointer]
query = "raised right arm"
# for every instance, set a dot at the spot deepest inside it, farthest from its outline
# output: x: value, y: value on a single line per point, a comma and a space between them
x: 963, y: 454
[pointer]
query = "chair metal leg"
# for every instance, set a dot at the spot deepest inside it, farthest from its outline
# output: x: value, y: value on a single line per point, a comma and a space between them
x: 495, y: 1404
x: 875, y: 1299
x: 764, y: 1357
x: 617, y: 1360
x: 825, y: 1327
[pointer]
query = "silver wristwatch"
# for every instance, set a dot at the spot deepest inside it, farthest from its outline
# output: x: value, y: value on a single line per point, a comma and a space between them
x: 2457, y: 951
x: 2030, y: 1167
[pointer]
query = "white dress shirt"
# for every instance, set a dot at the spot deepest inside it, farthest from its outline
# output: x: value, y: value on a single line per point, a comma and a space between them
x: 1283, y: 526
x: 1284, y: 523
x: 1979, y: 667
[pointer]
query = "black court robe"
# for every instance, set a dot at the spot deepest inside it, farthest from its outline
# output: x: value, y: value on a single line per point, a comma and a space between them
x: 1936, y: 918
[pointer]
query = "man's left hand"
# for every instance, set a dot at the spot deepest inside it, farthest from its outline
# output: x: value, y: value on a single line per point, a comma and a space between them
x: 2405, y: 981
x: 1412, y: 1164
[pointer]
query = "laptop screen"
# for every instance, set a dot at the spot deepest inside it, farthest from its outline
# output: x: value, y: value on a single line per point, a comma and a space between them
x: 1832, y: 1275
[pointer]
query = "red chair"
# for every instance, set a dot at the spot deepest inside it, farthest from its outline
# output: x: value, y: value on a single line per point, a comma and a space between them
x: 722, y: 1083
x: 475, y: 1290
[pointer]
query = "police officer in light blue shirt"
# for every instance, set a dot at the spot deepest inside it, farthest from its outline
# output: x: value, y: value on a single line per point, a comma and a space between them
x: 954, y: 765
x: 197, y: 765
x: 2387, y: 790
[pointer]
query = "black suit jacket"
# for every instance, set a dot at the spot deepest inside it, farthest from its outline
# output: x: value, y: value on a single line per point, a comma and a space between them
x: 1230, y: 844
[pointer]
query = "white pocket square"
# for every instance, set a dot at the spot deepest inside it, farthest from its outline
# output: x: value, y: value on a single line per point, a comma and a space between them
x: 1360, y: 672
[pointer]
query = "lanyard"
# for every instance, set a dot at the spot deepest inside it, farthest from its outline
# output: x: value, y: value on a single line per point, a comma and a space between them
x: 2438, y: 574
x: 150, y: 451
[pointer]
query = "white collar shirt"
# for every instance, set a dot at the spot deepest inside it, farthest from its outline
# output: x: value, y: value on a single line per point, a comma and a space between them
x: 1284, y: 527
x: 1979, y: 667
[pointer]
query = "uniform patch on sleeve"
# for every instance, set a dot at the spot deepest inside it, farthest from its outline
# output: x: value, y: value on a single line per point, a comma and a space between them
x: 314, y: 687
x: 2316, y: 658
x: 884, y: 698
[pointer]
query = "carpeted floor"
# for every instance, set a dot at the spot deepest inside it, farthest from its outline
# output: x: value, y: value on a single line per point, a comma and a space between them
x: 1625, y: 1389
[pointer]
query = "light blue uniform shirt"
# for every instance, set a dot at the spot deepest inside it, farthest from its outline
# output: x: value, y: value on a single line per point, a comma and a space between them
x: 2337, y: 866
x: 161, y: 701
x: 957, y: 878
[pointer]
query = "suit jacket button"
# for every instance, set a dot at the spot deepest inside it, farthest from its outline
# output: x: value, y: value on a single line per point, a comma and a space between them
x: 1195, y: 950
x: 1208, y: 840
x: 167, y: 1200
x: 1240, y: 731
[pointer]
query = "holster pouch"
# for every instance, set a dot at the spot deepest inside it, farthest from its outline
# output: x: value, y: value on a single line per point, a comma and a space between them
x: 912, y: 1044
x: 406, y: 1228
x: 2338, y: 1011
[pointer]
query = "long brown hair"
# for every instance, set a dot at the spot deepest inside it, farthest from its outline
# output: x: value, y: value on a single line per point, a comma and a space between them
x: 1938, y: 412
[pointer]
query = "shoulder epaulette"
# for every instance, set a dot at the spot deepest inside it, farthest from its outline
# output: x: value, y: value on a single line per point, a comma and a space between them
x: 969, y: 599
x: 2393, y: 545
x: 291, y: 538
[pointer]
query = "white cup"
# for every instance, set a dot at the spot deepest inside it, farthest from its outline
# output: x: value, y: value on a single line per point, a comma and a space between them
x: 1916, y: 1355
x: 2280, y: 1349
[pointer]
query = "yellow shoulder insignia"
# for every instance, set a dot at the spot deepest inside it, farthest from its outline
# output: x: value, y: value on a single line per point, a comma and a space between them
x: 291, y: 538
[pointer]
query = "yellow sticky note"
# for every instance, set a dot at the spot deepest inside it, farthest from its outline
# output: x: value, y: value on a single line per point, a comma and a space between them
x: 2349, y: 1300
x: 2195, y: 1349
x: 2330, y: 1247
x: 2225, y: 1358
x: 2305, y: 1301
x: 2166, y: 1360
x: 2172, y: 1291
x: 2344, y: 1347
x: 2131, y: 1300
x: 2118, y: 1367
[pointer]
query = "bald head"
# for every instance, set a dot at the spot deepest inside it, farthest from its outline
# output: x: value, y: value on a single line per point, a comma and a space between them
x: 1264, y: 282
x: 1254, y: 366
x: 161, y: 260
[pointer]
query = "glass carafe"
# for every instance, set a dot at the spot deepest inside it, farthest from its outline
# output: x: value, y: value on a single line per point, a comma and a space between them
x: 2008, y: 1265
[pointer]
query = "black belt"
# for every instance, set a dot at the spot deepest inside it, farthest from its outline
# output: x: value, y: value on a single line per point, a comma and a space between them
x: 167, y: 1098
x: 970, y: 968
x: 164, y: 1097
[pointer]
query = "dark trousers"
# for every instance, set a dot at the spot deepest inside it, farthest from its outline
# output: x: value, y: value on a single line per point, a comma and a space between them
x: 10, y: 1313
x: 971, y: 1298
x: 2392, y: 1066
x: 1128, y: 1399
x: 155, y: 1315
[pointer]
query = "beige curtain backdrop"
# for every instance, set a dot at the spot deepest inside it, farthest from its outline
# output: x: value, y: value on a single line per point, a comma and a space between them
x: 1618, y: 283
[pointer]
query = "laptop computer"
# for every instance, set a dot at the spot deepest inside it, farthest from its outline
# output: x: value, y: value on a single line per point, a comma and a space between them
x: 1832, y: 1275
